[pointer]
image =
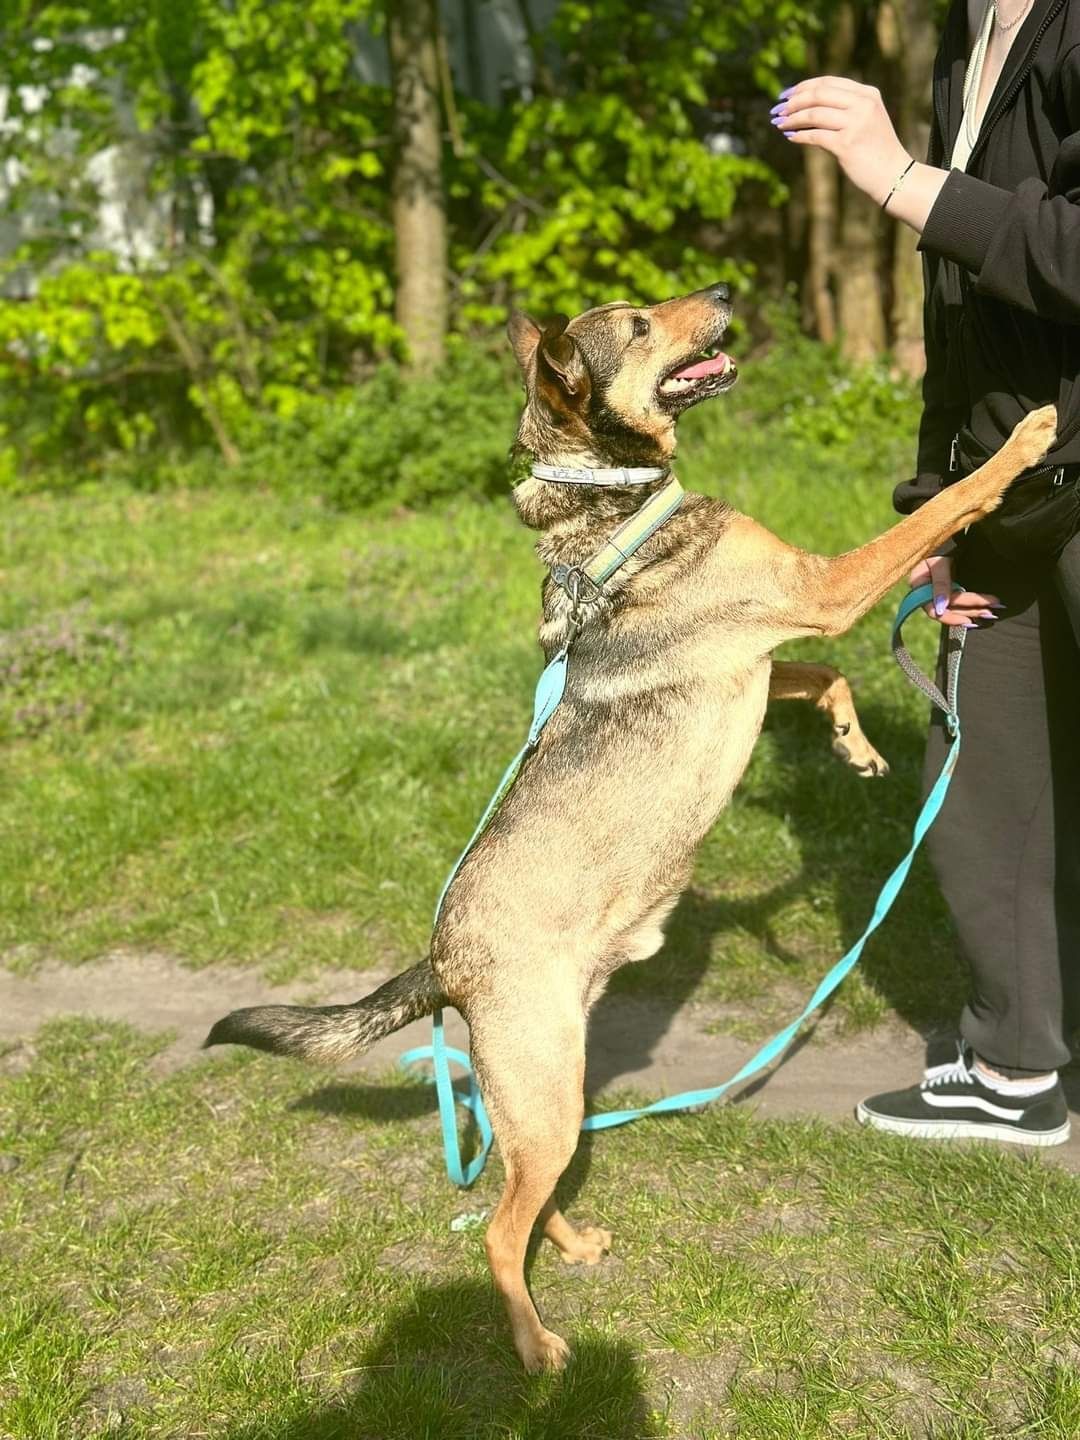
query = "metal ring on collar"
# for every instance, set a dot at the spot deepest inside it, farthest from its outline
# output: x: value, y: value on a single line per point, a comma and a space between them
x: 569, y: 578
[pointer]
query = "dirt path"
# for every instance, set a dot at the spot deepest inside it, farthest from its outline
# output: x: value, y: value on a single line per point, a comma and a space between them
x: 643, y: 1045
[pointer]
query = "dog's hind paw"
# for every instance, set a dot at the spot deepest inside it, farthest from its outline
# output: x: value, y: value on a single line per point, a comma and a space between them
x: 852, y: 746
x: 589, y: 1246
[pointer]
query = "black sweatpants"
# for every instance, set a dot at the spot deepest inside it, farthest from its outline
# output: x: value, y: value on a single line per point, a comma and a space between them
x: 1006, y: 846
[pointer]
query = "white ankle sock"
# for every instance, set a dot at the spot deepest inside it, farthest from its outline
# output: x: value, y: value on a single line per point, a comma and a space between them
x: 1001, y: 1086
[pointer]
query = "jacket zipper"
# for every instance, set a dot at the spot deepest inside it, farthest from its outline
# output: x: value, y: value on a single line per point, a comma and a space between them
x: 1015, y: 85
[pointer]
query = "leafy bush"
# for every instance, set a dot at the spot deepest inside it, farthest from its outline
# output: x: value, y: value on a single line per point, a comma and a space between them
x: 808, y: 392
x: 256, y: 157
x: 391, y: 441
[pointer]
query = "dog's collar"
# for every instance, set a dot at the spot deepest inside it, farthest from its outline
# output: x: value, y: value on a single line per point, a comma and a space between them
x: 584, y: 583
x: 584, y: 475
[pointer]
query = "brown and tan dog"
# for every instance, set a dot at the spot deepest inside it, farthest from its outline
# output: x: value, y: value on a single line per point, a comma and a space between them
x: 667, y: 687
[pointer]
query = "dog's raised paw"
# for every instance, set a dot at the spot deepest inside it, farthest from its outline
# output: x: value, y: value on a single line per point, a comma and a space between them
x: 545, y: 1351
x: 855, y: 750
x: 590, y: 1247
x: 1037, y: 433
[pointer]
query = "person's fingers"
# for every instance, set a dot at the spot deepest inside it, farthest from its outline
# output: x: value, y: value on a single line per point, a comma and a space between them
x: 967, y: 600
x: 818, y: 93
x: 803, y: 87
x: 940, y: 568
x: 812, y: 117
x: 826, y: 139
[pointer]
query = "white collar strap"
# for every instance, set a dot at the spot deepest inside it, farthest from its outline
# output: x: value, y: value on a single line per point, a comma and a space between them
x: 582, y: 475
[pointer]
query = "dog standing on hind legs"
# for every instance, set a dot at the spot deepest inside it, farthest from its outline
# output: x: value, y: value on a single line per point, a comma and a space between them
x: 666, y: 690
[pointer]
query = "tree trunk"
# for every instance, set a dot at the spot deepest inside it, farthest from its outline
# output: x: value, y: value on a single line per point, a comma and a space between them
x: 419, y: 209
x: 912, y: 24
x: 821, y: 195
x: 860, y: 315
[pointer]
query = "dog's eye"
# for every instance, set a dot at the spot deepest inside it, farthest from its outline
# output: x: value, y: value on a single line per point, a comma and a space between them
x: 640, y: 326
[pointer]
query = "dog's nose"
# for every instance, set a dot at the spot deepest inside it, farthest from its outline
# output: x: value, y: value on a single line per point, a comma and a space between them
x: 721, y: 292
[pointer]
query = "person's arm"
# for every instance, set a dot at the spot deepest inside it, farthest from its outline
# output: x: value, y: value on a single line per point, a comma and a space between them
x: 850, y: 121
x: 1022, y: 246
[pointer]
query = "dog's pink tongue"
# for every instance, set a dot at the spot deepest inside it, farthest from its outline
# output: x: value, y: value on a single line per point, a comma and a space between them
x: 716, y: 366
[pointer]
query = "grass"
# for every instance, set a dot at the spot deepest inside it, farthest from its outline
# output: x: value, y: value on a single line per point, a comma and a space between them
x: 238, y: 726
x: 242, y: 1251
x: 243, y: 727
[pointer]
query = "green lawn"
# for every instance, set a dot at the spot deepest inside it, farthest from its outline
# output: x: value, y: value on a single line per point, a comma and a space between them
x: 236, y: 726
x: 242, y: 727
x: 248, y: 1250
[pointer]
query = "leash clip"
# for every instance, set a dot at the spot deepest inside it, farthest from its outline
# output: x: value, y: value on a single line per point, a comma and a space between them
x: 572, y: 579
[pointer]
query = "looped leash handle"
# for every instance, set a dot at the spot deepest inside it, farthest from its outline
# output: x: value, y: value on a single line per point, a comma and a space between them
x: 947, y: 703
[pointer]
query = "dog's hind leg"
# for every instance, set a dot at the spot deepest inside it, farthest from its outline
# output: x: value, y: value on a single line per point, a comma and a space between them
x: 530, y: 1060
x: 829, y: 691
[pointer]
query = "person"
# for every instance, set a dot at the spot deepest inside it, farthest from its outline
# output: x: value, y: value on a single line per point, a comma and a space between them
x: 997, y: 210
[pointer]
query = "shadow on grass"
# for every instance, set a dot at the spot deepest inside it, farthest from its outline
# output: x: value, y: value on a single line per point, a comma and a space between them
x: 852, y: 833
x: 442, y: 1368
x: 385, y: 1103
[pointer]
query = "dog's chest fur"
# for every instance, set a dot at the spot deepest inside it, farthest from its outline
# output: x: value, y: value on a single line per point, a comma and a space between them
x: 665, y: 694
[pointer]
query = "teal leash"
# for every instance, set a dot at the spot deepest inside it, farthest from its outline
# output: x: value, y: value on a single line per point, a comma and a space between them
x: 549, y: 692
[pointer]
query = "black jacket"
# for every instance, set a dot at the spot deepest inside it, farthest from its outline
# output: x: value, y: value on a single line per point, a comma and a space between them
x: 1001, y: 253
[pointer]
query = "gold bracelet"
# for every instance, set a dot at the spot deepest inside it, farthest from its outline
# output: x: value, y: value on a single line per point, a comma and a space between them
x: 897, y: 183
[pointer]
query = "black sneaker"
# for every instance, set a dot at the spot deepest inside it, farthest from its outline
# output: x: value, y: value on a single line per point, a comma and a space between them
x: 952, y: 1102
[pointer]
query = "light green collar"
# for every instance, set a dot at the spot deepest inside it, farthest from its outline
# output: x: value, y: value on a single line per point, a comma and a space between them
x: 619, y: 547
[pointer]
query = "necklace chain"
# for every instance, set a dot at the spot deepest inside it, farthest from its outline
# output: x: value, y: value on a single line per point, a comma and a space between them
x: 1012, y: 23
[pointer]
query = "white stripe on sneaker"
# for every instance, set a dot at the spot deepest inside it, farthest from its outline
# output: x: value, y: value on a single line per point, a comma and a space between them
x: 970, y: 1102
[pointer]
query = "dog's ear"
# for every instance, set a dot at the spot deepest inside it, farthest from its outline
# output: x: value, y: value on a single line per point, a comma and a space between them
x: 524, y: 336
x: 561, y: 372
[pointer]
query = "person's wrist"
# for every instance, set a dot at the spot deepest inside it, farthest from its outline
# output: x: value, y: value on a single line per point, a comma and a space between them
x: 890, y: 176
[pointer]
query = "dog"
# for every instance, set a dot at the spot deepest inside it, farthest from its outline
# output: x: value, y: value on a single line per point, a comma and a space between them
x: 666, y: 691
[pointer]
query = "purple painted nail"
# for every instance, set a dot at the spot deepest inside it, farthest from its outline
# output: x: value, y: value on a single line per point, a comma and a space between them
x: 997, y: 604
x: 777, y: 120
x: 941, y: 604
x: 987, y: 615
x: 969, y: 625
x: 785, y: 93
x: 776, y: 109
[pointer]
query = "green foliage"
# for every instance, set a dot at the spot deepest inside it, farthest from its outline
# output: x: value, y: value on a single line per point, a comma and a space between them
x: 392, y: 441
x: 605, y: 187
x: 254, y: 161
x: 250, y: 153
x: 811, y: 394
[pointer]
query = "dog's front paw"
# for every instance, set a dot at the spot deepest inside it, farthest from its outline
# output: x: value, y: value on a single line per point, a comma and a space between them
x: 544, y: 1351
x: 1034, y: 436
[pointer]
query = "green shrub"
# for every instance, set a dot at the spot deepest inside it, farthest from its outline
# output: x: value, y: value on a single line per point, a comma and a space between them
x: 808, y: 392
x: 396, y: 440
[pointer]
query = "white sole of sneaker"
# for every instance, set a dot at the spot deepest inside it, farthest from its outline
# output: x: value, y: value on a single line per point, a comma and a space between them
x: 961, y: 1129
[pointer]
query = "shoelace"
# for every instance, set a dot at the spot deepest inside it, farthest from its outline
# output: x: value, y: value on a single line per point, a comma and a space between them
x: 955, y: 1073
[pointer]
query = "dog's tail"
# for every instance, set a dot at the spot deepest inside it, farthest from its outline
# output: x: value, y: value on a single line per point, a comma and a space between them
x: 333, y: 1032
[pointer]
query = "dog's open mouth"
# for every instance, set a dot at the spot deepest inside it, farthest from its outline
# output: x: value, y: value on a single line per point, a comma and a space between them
x: 708, y: 374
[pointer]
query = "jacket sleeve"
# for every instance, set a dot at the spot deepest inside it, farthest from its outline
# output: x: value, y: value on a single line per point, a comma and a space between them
x: 1022, y: 245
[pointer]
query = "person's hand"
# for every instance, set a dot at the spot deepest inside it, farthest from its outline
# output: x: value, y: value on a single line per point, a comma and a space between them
x: 964, y: 607
x: 851, y: 122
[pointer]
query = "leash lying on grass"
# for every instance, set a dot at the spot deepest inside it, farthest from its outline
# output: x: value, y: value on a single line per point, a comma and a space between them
x: 549, y: 691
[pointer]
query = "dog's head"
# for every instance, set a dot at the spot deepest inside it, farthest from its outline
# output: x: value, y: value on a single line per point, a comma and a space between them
x: 607, y: 387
